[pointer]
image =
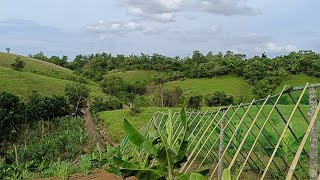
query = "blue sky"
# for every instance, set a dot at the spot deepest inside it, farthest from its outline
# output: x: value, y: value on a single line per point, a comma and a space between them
x: 170, y: 27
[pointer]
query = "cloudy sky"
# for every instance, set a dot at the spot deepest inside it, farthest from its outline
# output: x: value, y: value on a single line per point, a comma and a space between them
x: 170, y: 27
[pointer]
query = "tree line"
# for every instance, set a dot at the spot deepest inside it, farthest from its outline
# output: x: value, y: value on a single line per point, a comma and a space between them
x: 264, y: 73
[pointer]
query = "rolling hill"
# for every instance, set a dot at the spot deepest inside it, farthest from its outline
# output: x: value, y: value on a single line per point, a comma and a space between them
x: 132, y: 76
x: 42, y: 68
x: 23, y: 83
x: 236, y: 86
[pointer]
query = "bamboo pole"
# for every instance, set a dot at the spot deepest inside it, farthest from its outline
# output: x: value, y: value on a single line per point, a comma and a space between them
x: 209, y: 136
x: 283, y: 132
x: 260, y: 132
x: 194, y: 149
x: 189, y: 144
x: 247, y: 134
x: 233, y: 135
x: 192, y: 120
x: 303, y: 142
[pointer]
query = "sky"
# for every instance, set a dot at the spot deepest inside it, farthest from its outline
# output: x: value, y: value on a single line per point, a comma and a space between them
x: 169, y: 27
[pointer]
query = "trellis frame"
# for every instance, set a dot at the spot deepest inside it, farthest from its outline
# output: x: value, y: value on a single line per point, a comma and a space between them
x: 211, y: 119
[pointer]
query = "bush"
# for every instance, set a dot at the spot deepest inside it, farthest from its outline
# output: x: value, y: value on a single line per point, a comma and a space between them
x: 46, y: 108
x: 77, y: 95
x: 18, y: 64
x: 172, y: 97
x: 193, y: 101
x: 11, y: 116
x: 105, y: 103
x: 219, y: 98
x: 64, y: 139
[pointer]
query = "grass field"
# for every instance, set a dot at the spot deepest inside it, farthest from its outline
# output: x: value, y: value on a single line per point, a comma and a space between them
x: 114, y: 119
x: 23, y: 83
x: 41, y: 67
x: 132, y: 76
x: 236, y: 86
x: 297, y: 80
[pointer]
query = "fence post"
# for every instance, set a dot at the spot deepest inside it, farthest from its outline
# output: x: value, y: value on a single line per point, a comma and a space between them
x: 221, y: 149
x: 313, y: 136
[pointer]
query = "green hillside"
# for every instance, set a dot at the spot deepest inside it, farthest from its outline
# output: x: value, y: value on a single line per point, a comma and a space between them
x: 132, y: 76
x: 236, y: 86
x: 23, y: 83
x: 297, y: 80
x: 38, y: 67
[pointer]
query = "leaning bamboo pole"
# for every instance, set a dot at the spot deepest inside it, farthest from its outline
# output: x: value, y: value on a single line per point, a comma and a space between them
x: 233, y: 135
x: 247, y: 134
x: 189, y: 157
x: 303, y: 142
x: 284, y: 131
x: 260, y: 132
x: 189, y: 125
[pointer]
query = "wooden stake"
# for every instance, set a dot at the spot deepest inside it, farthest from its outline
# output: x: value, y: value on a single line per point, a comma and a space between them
x: 303, y: 142
x: 313, y: 135
x: 221, y: 149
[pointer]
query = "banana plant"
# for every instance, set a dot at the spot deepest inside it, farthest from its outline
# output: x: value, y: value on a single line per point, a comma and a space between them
x: 162, y: 150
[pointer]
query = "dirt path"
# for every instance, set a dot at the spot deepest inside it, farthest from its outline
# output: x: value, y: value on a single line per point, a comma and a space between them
x: 97, y: 140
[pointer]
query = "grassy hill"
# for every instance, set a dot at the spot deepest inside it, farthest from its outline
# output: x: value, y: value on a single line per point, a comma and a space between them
x: 38, y: 67
x: 297, y: 80
x: 132, y: 76
x: 236, y: 86
x: 23, y: 83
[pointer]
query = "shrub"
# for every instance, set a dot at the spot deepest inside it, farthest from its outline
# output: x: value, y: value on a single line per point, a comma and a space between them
x: 77, y: 95
x: 219, y: 98
x: 106, y: 103
x: 172, y: 97
x: 11, y: 116
x: 193, y: 101
x: 18, y: 64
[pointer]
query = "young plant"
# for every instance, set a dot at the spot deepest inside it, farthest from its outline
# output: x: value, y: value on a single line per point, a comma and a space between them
x: 162, y: 149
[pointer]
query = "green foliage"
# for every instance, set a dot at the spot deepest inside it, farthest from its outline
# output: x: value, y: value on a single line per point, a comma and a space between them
x: 64, y: 139
x: 193, y: 101
x: 11, y: 115
x: 219, y: 98
x: 46, y: 108
x: 106, y: 103
x: 77, y: 95
x: 226, y: 175
x: 169, y: 155
x: 18, y: 65
x: 59, y: 168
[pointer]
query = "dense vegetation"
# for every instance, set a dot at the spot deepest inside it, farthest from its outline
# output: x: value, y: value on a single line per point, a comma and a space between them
x: 265, y: 74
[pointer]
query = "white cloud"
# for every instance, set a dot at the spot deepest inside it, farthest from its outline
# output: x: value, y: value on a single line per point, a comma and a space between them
x: 226, y: 7
x: 105, y: 29
x: 166, y: 10
x: 275, y: 48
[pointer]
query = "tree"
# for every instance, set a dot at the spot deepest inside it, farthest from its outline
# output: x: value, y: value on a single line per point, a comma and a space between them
x: 77, y: 95
x: 194, y: 101
x: 8, y: 50
x: 18, y: 65
x: 11, y: 116
x: 219, y: 98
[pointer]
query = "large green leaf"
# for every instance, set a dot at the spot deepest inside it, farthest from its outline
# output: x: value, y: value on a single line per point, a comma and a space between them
x: 169, y: 129
x: 226, y: 174
x: 131, y: 169
x: 138, y: 139
x: 191, y: 176
x: 183, y: 118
